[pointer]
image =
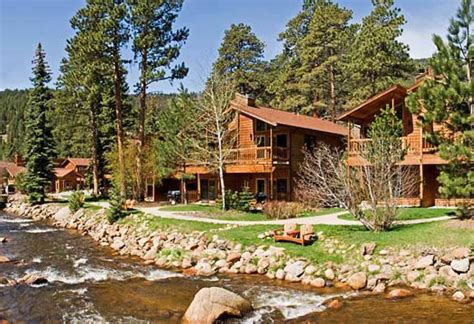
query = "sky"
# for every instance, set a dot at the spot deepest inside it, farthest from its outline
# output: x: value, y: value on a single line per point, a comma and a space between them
x: 24, y: 23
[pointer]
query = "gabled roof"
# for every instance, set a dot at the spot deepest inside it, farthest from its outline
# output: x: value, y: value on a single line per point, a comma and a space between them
x: 371, y: 106
x: 62, y: 172
x: 77, y: 161
x: 276, y: 117
x: 12, y: 168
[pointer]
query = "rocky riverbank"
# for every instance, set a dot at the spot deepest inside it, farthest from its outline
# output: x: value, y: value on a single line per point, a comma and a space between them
x: 369, y: 269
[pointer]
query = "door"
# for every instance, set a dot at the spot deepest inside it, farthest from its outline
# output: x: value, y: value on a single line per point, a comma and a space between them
x: 261, y: 186
x: 208, y: 189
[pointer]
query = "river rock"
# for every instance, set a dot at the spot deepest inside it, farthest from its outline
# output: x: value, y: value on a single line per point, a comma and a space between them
x: 379, y: 288
x: 398, y: 293
x: 335, y: 304
x: 4, y: 259
x: 447, y: 271
x: 373, y: 268
x: 295, y: 269
x: 424, y: 262
x: 412, y: 276
x: 117, y: 244
x: 357, y: 280
x: 250, y: 268
x: 211, y: 304
x: 460, y: 266
x: 329, y: 274
x: 461, y: 253
x: 368, y: 248
x: 458, y: 296
x: 31, y: 279
x: 280, y: 274
x: 310, y: 270
x: 204, y: 269
x: 3, y: 240
x: 233, y: 257
x: 318, y: 283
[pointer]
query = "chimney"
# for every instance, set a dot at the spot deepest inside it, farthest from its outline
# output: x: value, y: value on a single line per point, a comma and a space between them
x: 244, y: 100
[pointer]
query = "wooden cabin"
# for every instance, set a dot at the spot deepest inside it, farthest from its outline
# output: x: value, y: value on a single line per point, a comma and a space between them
x: 266, y: 156
x: 420, y: 153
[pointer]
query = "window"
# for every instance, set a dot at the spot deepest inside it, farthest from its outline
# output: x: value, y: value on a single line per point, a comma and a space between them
x: 281, y: 140
x: 282, y: 186
x: 260, y: 126
x: 310, y: 142
x: 260, y: 140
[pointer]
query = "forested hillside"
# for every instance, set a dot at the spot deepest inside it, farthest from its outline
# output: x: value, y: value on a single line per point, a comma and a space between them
x: 12, y: 108
x: 69, y: 129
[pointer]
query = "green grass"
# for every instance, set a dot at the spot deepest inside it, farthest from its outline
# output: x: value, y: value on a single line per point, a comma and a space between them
x: 234, y: 215
x: 414, y: 213
x: 430, y: 234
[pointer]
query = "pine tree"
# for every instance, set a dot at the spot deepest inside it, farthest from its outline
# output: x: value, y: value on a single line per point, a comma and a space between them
x: 39, y: 140
x: 156, y: 45
x: 446, y: 99
x: 241, y: 59
x: 378, y: 59
x: 322, y: 52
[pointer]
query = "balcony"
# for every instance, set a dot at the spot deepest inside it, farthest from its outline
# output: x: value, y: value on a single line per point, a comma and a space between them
x: 417, y: 148
x: 258, y: 155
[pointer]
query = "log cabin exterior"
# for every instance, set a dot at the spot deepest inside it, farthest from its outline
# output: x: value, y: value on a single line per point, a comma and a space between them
x: 266, y: 156
x: 421, y: 154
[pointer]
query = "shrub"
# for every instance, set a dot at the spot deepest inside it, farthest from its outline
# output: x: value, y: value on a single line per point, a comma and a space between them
x: 76, y: 201
x: 116, y: 208
x: 20, y: 183
x: 245, y: 198
x: 282, y: 209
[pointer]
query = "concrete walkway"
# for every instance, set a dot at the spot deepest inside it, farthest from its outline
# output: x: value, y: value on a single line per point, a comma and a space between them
x: 329, y: 219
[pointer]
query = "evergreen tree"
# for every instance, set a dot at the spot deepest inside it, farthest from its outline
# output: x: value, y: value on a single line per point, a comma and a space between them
x: 322, y: 52
x: 446, y: 99
x: 378, y: 59
x: 156, y: 45
x: 241, y: 59
x: 39, y: 140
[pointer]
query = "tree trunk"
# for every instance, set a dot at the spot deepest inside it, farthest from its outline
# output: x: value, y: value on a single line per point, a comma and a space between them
x: 184, y: 186
x: 95, y: 153
x: 221, y: 162
x: 332, y: 80
x: 141, y: 124
x: 119, y: 117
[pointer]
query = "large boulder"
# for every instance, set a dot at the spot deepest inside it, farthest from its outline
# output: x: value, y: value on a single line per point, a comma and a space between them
x: 357, y: 280
x: 211, y: 304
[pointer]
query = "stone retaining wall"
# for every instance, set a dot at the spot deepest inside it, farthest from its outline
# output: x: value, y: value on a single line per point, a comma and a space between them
x: 205, y: 254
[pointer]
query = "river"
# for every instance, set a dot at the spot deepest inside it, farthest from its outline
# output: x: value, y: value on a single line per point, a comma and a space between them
x: 92, y: 283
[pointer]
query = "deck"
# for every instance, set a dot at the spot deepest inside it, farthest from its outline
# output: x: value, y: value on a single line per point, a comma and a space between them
x: 248, y: 160
x: 418, y: 151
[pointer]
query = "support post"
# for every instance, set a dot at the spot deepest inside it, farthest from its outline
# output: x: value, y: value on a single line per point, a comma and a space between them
x: 198, y: 187
x: 271, y: 144
x: 421, y: 184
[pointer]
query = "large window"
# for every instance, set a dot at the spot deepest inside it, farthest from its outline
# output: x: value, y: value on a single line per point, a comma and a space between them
x: 282, y: 140
x: 260, y: 126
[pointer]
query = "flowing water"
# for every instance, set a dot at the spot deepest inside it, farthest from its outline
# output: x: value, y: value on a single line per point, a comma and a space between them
x: 91, y: 283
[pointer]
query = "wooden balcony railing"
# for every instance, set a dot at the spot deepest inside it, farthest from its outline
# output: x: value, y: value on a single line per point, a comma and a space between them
x: 258, y: 155
x: 413, y: 145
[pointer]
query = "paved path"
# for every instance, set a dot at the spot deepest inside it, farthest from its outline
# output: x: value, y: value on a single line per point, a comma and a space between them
x: 328, y: 219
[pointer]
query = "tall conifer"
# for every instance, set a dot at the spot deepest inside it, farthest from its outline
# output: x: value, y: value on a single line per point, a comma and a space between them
x: 446, y: 99
x: 39, y: 139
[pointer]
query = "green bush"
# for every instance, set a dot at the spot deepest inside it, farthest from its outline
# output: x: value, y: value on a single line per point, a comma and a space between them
x: 76, y: 201
x: 116, y: 209
x: 282, y: 209
x: 245, y: 198
x: 20, y: 183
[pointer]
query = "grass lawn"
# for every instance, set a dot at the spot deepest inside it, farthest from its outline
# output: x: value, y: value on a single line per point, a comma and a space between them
x: 430, y: 234
x: 414, y: 213
x: 403, y: 236
x: 215, y: 212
